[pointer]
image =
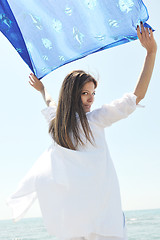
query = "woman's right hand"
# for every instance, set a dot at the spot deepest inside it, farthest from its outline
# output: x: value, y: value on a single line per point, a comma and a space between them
x: 36, y: 83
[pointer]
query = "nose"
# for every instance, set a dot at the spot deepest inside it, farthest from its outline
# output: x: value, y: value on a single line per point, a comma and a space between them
x: 91, y: 98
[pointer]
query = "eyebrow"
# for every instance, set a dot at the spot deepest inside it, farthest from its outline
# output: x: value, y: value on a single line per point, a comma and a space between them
x: 86, y: 91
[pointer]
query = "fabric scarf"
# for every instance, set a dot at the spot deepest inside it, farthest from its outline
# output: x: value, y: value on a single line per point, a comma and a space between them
x: 48, y: 34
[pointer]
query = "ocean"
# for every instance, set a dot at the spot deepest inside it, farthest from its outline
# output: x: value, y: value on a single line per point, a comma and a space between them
x: 141, y: 225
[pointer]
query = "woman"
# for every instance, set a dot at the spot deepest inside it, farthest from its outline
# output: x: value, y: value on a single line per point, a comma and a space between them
x: 75, y: 180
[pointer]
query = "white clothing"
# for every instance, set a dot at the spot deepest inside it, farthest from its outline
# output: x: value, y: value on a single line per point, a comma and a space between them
x: 78, y: 191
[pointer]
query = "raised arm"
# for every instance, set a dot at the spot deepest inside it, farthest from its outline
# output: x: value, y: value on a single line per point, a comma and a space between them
x: 38, y: 85
x: 148, y: 42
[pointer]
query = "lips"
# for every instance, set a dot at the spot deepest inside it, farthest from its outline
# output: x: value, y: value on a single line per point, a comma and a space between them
x: 87, y: 107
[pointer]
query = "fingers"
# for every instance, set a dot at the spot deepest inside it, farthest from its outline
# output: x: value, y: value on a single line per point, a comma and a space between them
x: 139, y: 33
x: 147, y: 33
x: 144, y: 32
x: 32, y: 80
x: 146, y: 38
x: 151, y: 33
x: 33, y: 77
x: 35, y: 82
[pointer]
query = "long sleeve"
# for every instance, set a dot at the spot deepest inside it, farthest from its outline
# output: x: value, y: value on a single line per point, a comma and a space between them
x: 49, y: 113
x: 25, y: 195
x: 113, y: 112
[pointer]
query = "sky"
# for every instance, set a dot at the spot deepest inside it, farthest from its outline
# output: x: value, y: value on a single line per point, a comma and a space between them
x: 134, y: 142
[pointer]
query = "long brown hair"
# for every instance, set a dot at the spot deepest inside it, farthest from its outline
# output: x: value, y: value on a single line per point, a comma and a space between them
x: 69, y: 104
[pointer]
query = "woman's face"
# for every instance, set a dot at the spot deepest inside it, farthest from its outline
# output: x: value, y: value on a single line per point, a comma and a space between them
x: 87, y: 96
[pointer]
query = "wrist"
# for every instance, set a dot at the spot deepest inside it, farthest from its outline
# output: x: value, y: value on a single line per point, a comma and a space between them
x: 42, y: 90
x: 151, y: 53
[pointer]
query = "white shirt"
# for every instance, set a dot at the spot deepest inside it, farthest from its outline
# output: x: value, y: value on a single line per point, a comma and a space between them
x: 78, y: 191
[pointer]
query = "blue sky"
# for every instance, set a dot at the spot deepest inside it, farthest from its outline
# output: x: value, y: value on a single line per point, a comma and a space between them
x: 134, y: 143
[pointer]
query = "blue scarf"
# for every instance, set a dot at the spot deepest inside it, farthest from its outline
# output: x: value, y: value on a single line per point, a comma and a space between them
x: 48, y: 34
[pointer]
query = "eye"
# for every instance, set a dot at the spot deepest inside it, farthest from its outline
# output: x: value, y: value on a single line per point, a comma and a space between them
x: 93, y: 93
x: 84, y: 93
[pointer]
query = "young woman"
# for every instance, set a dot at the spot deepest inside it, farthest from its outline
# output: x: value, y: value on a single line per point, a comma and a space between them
x: 75, y: 180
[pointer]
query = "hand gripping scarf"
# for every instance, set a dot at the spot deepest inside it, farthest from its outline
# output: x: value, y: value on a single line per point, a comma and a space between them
x: 48, y: 34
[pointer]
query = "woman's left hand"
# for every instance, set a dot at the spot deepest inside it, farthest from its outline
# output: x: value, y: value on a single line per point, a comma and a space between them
x: 147, y: 39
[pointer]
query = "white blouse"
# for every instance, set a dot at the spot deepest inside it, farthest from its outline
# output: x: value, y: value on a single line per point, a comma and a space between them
x: 78, y: 191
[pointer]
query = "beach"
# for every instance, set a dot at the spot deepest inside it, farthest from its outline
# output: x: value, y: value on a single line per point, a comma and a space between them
x: 141, y: 225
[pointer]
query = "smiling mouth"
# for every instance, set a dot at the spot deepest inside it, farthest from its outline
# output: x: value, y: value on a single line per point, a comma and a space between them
x: 87, y: 106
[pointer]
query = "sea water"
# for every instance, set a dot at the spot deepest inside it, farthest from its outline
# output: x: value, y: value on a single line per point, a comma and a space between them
x: 141, y: 225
